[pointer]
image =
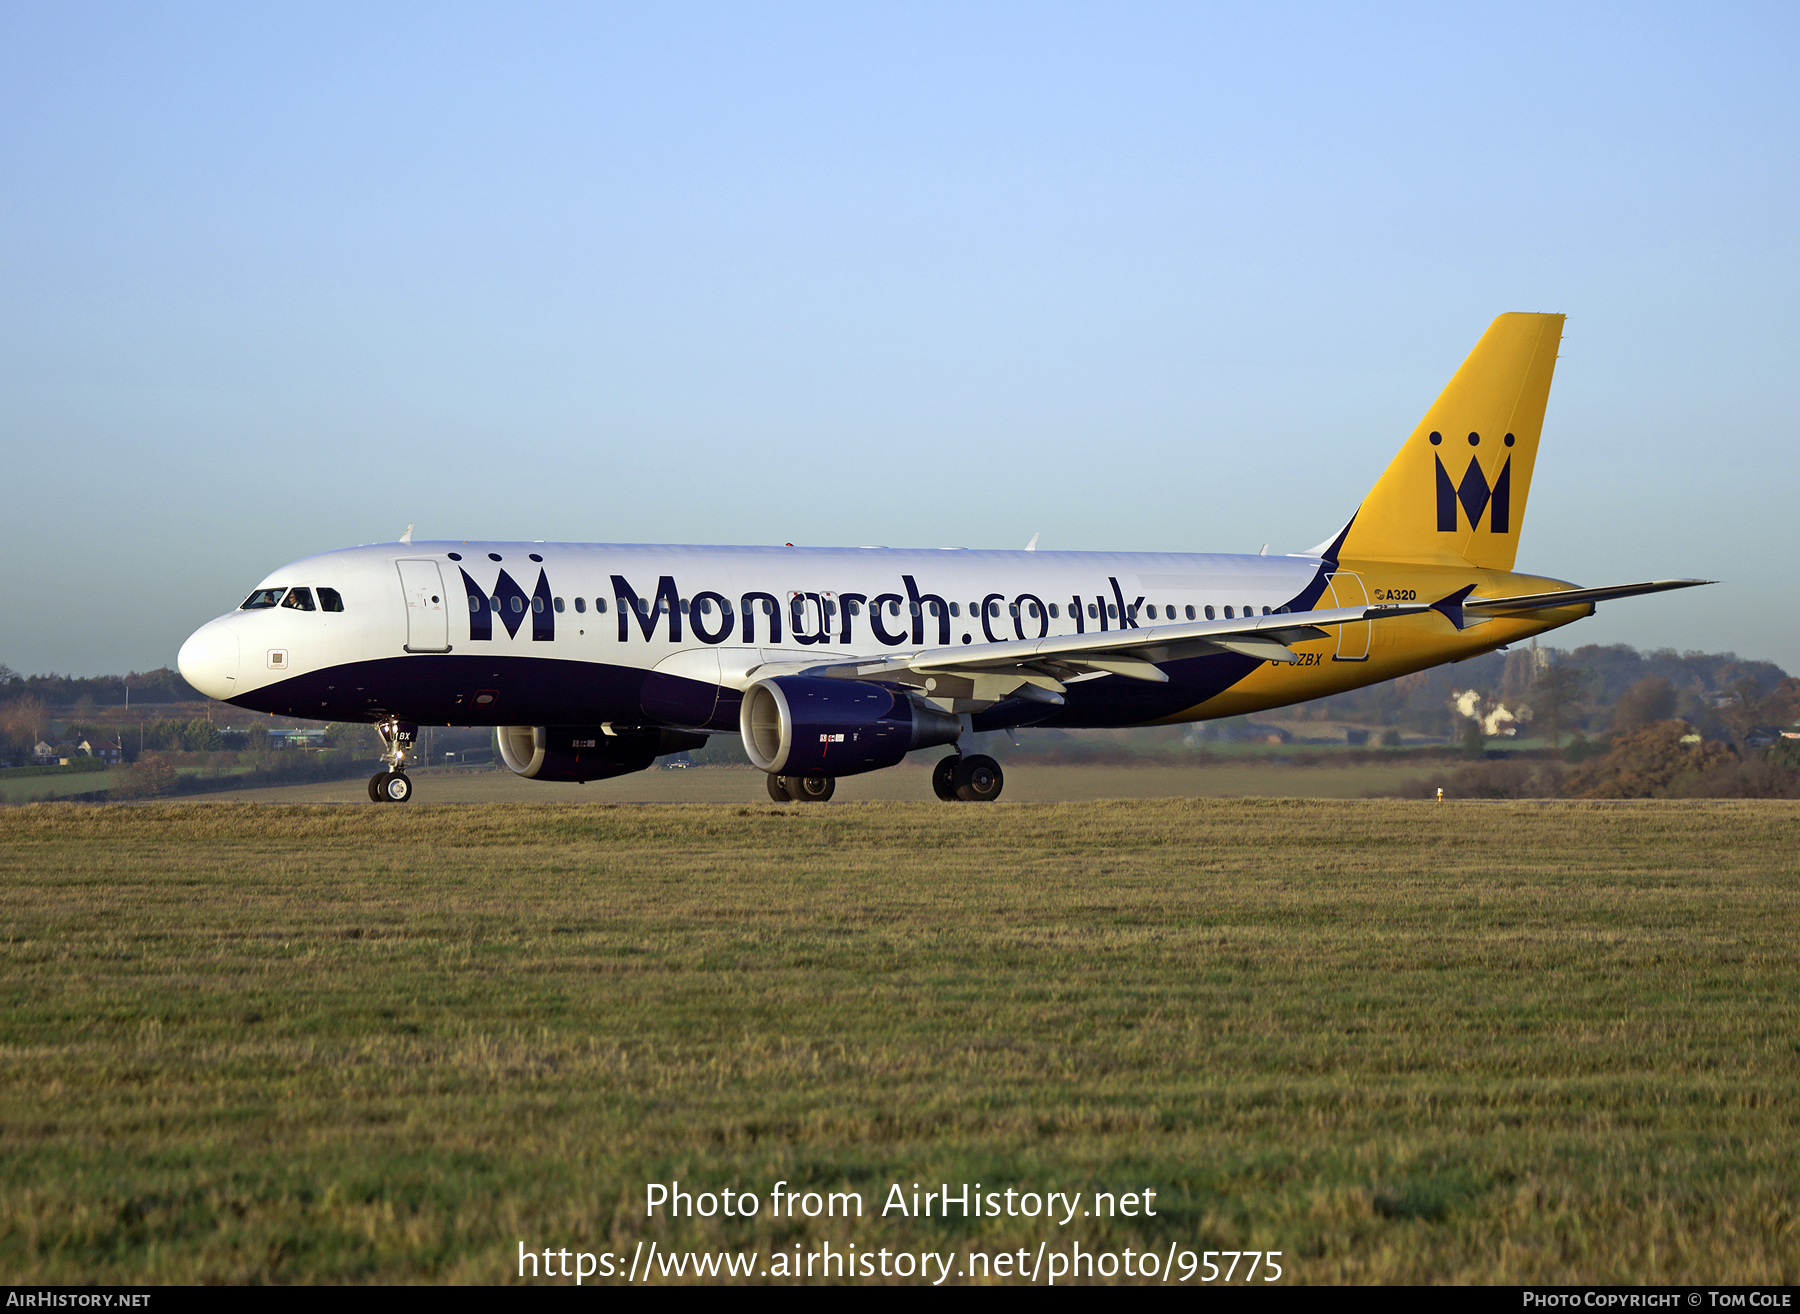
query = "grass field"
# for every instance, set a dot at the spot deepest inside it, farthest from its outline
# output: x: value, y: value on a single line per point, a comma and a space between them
x: 1396, y: 1041
x: 27, y: 789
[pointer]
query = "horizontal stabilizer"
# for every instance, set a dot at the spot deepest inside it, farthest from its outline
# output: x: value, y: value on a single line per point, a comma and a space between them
x: 1452, y: 606
x: 1573, y: 597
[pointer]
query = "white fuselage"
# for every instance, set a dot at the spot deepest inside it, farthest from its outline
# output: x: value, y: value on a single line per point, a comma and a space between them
x: 461, y: 646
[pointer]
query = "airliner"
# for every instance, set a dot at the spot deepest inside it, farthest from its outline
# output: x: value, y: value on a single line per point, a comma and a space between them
x: 592, y: 660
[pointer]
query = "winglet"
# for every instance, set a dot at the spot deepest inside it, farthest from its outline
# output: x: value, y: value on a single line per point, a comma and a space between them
x: 1032, y: 546
x: 1452, y: 606
x: 407, y: 536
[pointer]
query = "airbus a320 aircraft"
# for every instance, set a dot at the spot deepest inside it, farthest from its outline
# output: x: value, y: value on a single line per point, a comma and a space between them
x: 593, y: 659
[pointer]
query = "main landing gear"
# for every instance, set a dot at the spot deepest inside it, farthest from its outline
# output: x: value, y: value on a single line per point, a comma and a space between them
x: 801, y: 789
x: 393, y: 785
x: 973, y: 779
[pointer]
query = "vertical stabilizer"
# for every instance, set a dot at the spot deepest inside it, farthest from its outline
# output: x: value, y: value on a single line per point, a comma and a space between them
x: 1456, y: 492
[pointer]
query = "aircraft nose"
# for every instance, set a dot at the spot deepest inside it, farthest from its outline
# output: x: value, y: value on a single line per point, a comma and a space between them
x: 209, y: 660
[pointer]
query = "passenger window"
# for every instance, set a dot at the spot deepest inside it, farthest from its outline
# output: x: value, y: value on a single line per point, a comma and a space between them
x: 1151, y: 609
x: 1229, y: 615
x: 1112, y: 610
x: 537, y: 604
x: 262, y: 598
x: 994, y: 610
x: 330, y: 600
x: 1265, y: 611
x: 855, y: 608
x: 684, y: 606
x: 1031, y: 610
x: 1209, y: 614
x: 557, y: 604
x: 1190, y: 613
x: 580, y: 605
x: 599, y: 606
x: 518, y: 605
x: 298, y: 599
x: 894, y: 608
x: 1055, y: 613
x: 934, y: 609
x: 1093, y: 611
x: 956, y: 609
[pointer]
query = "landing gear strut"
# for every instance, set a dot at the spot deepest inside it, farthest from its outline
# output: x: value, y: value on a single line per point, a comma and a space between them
x: 973, y: 779
x: 392, y: 785
x: 801, y: 789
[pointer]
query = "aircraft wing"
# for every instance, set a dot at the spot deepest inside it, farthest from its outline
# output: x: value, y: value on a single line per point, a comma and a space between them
x: 1039, y: 669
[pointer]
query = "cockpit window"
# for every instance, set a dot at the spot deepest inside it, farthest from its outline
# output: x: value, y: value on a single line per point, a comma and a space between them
x: 262, y: 598
x: 330, y: 600
x: 298, y: 599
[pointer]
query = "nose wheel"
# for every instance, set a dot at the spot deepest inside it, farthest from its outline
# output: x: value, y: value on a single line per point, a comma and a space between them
x: 390, y: 787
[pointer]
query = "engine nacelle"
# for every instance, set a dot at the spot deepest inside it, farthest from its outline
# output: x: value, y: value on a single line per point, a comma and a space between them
x: 586, y: 752
x: 807, y: 725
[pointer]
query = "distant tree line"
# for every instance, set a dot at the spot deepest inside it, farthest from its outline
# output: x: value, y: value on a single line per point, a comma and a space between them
x: 158, y: 686
x: 1593, y: 690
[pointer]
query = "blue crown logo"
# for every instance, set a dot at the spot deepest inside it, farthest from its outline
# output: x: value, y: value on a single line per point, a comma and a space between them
x: 1474, y: 493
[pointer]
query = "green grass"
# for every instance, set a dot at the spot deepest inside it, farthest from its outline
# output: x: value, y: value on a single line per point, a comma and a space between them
x: 1397, y: 1041
x: 27, y: 789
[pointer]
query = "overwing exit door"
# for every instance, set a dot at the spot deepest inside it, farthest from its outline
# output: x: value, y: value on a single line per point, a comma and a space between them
x: 810, y: 614
x: 1353, y: 639
x: 427, y: 619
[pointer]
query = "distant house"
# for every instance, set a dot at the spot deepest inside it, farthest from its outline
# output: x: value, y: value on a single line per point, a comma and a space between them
x: 44, y: 754
x: 104, y: 749
x: 297, y: 736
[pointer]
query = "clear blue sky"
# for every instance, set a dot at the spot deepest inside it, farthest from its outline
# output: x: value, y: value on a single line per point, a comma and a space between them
x: 275, y: 280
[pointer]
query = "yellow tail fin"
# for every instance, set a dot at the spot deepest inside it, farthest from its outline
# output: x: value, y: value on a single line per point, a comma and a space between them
x: 1456, y: 492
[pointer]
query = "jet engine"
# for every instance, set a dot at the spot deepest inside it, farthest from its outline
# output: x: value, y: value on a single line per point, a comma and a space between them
x: 805, y: 725
x: 586, y: 752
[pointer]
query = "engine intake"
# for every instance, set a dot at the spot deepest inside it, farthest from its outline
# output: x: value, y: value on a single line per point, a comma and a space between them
x: 585, y: 752
x: 807, y: 725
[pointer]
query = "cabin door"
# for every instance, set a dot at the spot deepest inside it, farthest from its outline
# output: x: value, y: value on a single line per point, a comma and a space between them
x: 427, y: 619
x: 1353, y: 639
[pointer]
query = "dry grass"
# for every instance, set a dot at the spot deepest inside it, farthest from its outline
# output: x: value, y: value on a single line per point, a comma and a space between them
x: 1399, y: 1041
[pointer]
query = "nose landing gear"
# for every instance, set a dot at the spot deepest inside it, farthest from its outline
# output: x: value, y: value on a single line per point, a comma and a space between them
x: 393, y: 784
